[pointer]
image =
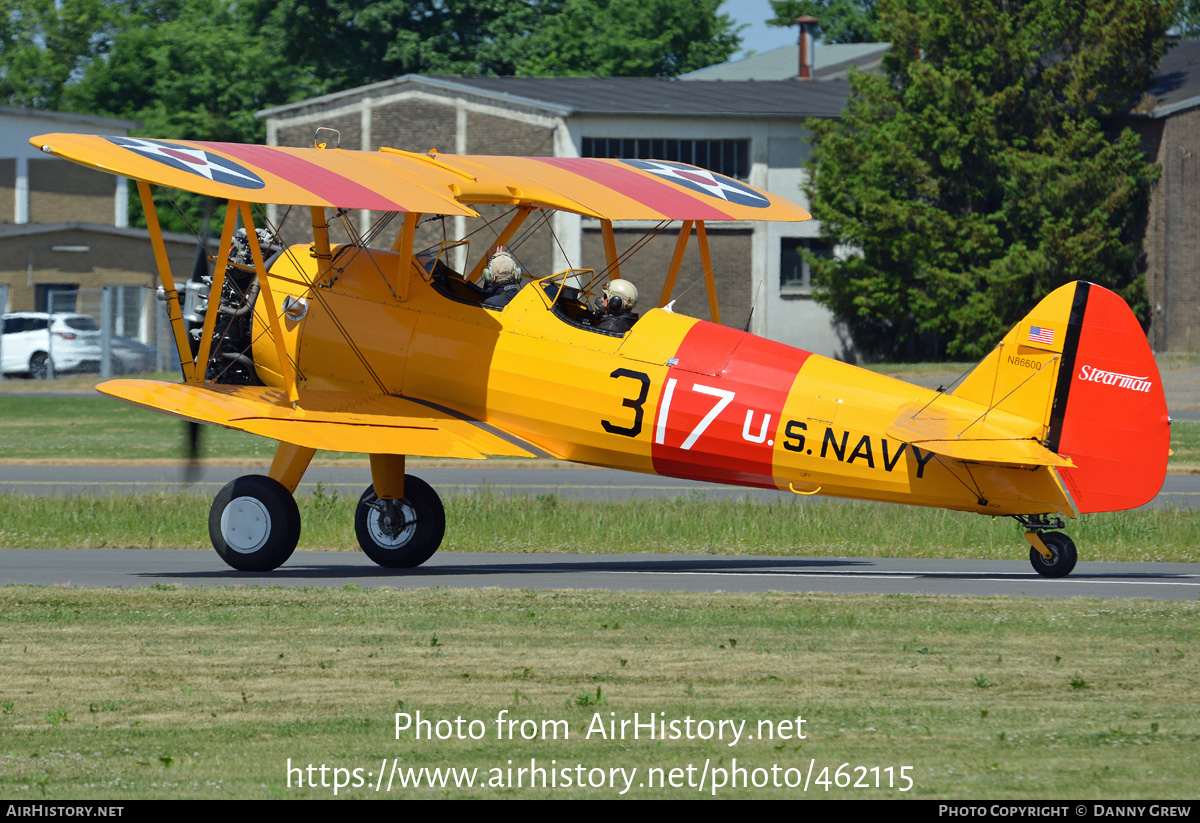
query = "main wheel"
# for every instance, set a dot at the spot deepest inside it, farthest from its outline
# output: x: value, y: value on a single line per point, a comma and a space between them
x: 404, y: 533
x: 39, y: 366
x: 254, y: 523
x: 1064, y: 556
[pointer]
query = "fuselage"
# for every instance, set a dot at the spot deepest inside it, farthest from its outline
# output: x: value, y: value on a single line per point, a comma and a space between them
x: 675, y: 396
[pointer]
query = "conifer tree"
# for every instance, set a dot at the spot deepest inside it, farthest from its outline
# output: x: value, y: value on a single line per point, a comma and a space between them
x: 981, y: 170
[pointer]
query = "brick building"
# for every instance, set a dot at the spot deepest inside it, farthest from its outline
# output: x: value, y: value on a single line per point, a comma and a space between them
x: 1168, y: 121
x: 749, y: 130
x: 65, y: 228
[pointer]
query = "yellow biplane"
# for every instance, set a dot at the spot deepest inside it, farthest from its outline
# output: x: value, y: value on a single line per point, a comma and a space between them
x: 393, y: 352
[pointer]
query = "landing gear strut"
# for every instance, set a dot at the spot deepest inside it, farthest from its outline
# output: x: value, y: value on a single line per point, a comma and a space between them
x: 1052, y: 553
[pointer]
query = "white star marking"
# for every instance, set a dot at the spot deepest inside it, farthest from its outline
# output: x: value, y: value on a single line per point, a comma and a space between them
x: 196, y: 159
x: 699, y: 177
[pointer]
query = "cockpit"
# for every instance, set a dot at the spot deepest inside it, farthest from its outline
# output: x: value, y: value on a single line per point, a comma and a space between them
x: 572, y: 295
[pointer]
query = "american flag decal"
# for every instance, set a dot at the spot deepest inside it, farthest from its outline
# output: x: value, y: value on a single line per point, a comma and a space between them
x: 1038, y: 334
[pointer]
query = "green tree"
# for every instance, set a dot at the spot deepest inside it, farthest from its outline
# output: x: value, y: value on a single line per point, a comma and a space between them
x: 198, y: 72
x: 977, y: 175
x: 201, y: 68
x: 348, y: 43
x: 1187, y: 18
x: 187, y: 69
x: 839, y: 21
x: 44, y: 45
x: 625, y: 38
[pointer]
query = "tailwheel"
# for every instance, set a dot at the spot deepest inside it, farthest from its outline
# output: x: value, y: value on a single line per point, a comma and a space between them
x: 402, y: 533
x: 1062, y: 559
x: 254, y: 523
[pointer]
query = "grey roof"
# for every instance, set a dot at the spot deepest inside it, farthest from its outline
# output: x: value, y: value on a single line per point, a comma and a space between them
x: 30, y: 229
x: 783, y: 63
x: 663, y: 97
x: 566, y: 96
x: 1178, y: 88
x: 1178, y: 82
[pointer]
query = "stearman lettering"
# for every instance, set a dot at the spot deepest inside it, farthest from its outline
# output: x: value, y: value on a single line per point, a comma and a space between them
x: 1090, y: 374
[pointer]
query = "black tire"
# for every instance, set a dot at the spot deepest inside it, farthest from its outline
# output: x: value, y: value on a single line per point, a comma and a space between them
x: 1063, y: 561
x: 254, y: 523
x: 418, y: 523
x: 39, y: 366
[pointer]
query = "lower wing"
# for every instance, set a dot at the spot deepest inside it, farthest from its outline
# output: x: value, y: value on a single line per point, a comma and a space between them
x: 328, y: 420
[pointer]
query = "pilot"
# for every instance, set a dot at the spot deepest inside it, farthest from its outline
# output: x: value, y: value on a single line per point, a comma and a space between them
x: 615, y: 307
x: 503, y: 277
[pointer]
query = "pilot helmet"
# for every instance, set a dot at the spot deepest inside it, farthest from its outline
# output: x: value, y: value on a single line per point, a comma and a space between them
x: 621, y: 296
x: 502, y: 268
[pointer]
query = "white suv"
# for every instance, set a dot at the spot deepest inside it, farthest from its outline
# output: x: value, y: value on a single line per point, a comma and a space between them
x: 31, y: 338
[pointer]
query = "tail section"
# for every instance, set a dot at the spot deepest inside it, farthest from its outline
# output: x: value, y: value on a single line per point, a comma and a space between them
x: 1080, y: 365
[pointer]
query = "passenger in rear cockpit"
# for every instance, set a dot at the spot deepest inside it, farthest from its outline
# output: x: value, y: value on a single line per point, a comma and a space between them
x: 502, y: 279
x: 615, y: 307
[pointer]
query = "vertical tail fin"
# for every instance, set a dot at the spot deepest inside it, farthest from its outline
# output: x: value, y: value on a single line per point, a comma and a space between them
x: 1080, y: 364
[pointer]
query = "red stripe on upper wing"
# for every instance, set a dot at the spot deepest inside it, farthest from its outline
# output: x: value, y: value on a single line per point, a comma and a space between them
x: 662, y: 197
x: 737, y: 445
x: 326, y: 184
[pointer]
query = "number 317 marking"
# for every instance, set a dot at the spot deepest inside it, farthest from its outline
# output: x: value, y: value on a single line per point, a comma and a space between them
x: 724, y: 398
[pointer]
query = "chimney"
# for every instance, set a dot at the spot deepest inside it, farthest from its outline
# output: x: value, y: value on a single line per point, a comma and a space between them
x: 806, y: 25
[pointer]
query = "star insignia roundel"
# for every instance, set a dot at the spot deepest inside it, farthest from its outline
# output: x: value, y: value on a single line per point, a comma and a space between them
x: 702, y: 181
x: 193, y: 160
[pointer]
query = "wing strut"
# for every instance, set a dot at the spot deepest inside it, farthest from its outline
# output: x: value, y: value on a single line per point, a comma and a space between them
x: 321, y: 250
x: 404, y: 245
x: 505, y: 235
x: 706, y: 266
x: 706, y: 263
x: 685, y: 233
x: 214, y: 294
x: 167, y: 280
x: 260, y: 269
x: 611, y: 260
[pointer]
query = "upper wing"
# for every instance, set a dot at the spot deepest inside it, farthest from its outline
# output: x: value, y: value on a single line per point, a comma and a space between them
x: 265, y: 174
x: 610, y: 189
x: 391, y: 180
x: 327, y: 420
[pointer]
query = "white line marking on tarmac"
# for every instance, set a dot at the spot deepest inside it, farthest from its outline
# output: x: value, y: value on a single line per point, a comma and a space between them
x: 998, y: 578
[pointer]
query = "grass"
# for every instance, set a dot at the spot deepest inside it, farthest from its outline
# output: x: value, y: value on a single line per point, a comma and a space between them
x: 171, y: 693
x: 492, y: 522
x: 180, y: 693
x: 95, y: 428
x: 1185, y: 443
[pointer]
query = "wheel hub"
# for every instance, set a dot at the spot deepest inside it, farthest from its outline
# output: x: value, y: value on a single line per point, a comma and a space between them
x: 392, y: 523
x: 245, y: 525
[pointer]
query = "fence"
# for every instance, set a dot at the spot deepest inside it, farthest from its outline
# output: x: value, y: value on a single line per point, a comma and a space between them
x: 115, y: 331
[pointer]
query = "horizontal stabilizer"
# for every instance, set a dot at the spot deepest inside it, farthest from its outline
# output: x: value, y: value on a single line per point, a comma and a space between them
x: 326, y: 420
x: 966, y: 431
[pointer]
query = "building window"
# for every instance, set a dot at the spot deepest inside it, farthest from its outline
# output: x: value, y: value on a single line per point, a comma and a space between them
x: 794, y: 274
x: 55, y: 297
x: 728, y: 157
